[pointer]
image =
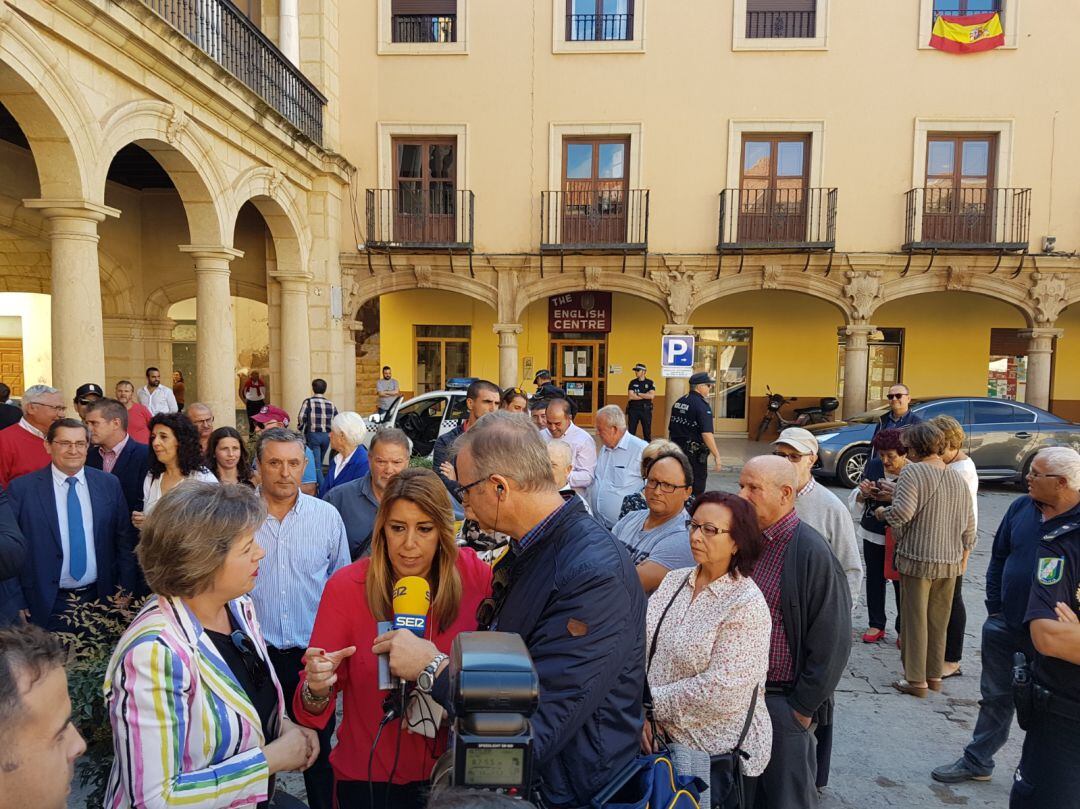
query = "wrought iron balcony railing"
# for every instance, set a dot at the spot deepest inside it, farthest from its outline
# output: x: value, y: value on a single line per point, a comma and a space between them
x: 594, y: 219
x: 228, y: 37
x: 777, y: 219
x: 424, y: 219
x: 781, y: 24
x: 599, y: 27
x: 967, y: 12
x: 949, y: 218
x: 424, y: 28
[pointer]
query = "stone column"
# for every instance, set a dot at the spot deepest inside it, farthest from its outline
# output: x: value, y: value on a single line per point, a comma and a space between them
x: 78, y: 343
x: 215, y: 345
x: 289, y: 29
x: 856, y: 354
x: 676, y: 388
x: 1039, y: 362
x: 295, y: 381
x: 508, y: 354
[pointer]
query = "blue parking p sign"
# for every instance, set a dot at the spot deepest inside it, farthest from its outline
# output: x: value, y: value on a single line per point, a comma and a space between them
x: 677, y: 355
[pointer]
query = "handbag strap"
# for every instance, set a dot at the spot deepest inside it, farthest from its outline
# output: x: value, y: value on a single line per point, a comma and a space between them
x: 656, y: 631
x: 749, y: 719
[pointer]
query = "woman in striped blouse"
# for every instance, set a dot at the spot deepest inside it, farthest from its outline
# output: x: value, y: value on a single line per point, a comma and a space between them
x: 196, y: 710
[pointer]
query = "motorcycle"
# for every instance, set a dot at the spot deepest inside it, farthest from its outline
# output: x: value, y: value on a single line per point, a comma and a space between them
x: 821, y: 413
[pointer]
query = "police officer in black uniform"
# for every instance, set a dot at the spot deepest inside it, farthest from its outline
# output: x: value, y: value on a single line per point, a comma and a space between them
x: 691, y: 428
x: 641, y: 392
x: 1047, y: 775
x: 548, y: 390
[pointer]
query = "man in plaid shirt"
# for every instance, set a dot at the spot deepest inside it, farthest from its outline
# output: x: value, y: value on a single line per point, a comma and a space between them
x: 313, y: 422
x: 810, y: 604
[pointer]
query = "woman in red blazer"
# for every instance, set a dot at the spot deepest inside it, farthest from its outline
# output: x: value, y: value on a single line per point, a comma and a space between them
x: 413, y: 536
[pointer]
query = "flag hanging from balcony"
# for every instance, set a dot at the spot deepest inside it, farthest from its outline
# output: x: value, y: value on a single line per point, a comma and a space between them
x: 967, y: 34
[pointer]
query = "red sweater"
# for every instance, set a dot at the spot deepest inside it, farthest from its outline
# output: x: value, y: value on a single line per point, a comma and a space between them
x: 20, y: 452
x: 139, y: 423
x: 345, y: 620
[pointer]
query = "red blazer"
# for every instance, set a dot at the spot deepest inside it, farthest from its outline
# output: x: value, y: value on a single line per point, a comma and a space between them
x: 345, y: 620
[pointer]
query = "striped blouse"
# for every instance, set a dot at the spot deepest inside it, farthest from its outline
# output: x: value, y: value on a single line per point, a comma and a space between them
x: 184, y: 731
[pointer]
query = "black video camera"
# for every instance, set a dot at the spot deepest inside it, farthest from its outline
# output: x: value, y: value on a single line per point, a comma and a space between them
x: 495, y: 690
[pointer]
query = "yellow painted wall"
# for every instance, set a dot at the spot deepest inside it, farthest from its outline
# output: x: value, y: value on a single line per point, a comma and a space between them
x: 400, y: 312
x: 1067, y: 361
x: 947, y: 340
x: 35, y: 312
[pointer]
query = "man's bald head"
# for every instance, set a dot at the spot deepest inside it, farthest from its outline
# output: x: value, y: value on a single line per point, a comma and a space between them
x: 559, y: 417
x: 770, y: 484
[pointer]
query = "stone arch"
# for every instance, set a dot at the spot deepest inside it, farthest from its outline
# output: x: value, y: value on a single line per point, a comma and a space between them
x: 1000, y: 288
x: 177, y: 144
x: 266, y: 189
x: 56, y: 120
x: 785, y: 281
x: 158, y: 302
x: 540, y: 289
x: 367, y: 288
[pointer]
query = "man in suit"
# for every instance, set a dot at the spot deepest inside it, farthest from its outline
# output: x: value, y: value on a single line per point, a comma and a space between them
x: 116, y: 452
x: 78, y: 528
x: 9, y: 413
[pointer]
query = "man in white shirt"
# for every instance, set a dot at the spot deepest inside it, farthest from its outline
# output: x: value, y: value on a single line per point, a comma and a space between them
x: 618, y: 468
x: 154, y: 396
x: 560, y: 424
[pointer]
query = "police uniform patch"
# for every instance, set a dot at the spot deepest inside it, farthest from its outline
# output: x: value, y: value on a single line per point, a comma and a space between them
x: 1050, y: 569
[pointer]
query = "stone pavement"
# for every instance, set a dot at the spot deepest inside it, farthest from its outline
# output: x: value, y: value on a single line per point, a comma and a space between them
x: 886, y: 743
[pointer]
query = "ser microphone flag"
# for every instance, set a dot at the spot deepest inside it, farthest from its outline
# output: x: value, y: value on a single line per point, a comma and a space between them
x: 412, y: 601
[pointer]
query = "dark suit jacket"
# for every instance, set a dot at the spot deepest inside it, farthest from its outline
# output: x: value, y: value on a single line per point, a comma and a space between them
x: 9, y: 414
x: 34, y: 504
x: 12, y: 556
x: 355, y: 469
x: 130, y: 470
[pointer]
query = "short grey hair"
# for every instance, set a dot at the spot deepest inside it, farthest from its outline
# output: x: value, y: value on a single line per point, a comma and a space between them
x: 391, y: 435
x: 559, y: 450
x: 351, y: 425
x: 35, y: 393
x: 278, y: 435
x: 507, y: 444
x: 613, y: 415
x: 201, y: 406
x: 1064, y: 461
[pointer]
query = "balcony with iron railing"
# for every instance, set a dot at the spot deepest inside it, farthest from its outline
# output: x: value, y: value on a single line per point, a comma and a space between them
x: 227, y: 36
x: 787, y: 219
x: 595, y: 219
x: 599, y: 27
x: 424, y: 28
x: 781, y: 24
x: 949, y: 218
x: 968, y: 12
x: 420, y: 219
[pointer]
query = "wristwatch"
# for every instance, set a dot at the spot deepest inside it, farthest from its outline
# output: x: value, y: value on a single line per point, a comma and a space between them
x: 425, y: 680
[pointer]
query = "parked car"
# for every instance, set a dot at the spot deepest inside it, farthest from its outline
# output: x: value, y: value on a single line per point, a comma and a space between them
x: 1002, y: 437
x: 424, y: 418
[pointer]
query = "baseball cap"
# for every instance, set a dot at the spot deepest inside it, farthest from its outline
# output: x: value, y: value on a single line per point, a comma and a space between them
x: 701, y: 378
x: 543, y: 373
x: 89, y: 389
x: 798, y: 438
x: 271, y: 413
x: 639, y: 367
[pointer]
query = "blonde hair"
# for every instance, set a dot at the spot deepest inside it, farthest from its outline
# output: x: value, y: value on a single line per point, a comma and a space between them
x: 426, y: 491
x: 654, y: 448
x: 951, y: 429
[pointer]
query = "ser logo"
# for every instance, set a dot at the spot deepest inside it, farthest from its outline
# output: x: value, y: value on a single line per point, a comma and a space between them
x: 410, y: 621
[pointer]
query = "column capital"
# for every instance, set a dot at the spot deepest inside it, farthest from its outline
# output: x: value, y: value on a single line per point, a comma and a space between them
x: 678, y: 328
x: 208, y: 252
x: 1042, y: 333
x: 856, y: 329
x: 292, y: 282
x: 72, y: 209
x: 507, y: 328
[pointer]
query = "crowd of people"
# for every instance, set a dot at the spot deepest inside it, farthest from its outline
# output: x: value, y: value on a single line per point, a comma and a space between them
x: 659, y: 615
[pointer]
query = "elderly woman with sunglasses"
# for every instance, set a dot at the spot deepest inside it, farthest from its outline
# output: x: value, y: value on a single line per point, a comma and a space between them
x: 709, y: 630
x: 197, y: 713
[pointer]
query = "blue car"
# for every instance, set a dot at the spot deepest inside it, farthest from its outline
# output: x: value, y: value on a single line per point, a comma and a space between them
x: 1002, y: 437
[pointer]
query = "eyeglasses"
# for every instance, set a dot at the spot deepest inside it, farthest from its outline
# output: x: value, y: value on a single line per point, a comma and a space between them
x: 1033, y: 475
x: 666, y: 488
x: 253, y: 662
x: 464, y: 490
x: 55, y: 408
x: 66, y: 445
x: 793, y: 457
x: 895, y: 395
x: 204, y: 422
x: 710, y: 531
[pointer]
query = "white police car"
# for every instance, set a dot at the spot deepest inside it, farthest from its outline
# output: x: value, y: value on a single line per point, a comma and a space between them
x: 425, y: 417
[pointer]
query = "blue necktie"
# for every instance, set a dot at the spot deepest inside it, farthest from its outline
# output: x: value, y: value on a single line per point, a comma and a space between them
x: 76, y: 534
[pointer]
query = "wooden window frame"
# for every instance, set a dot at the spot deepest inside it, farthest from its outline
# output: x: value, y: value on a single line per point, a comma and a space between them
x: 598, y: 12
x: 958, y: 138
x: 775, y: 138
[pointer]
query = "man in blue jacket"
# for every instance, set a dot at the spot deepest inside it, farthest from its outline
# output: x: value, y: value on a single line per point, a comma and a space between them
x: 1051, y: 506
x: 574, y: 598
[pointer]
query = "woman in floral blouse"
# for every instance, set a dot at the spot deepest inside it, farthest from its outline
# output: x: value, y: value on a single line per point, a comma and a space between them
x: 712, y: 649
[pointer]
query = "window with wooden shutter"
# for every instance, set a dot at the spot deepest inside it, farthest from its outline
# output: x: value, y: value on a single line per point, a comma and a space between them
x: 424, y: 20
x: 781, y: 19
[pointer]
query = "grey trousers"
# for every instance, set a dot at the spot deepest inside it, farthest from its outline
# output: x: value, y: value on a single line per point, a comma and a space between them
x: 788, y: 781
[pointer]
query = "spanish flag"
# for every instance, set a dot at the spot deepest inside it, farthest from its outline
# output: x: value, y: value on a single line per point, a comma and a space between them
x: 968, y: 34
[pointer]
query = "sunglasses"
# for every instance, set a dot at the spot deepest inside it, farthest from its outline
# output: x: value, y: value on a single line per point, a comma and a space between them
x: 895, y: 395
x: 253, y: 662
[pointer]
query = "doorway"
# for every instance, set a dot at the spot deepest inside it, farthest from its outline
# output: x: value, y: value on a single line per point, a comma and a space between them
x: 579, y: 366
x: 442, y: 353
x: 725, y: 354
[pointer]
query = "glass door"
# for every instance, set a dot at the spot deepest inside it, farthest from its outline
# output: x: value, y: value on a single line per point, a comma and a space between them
x: 578, y: 367
x: 959, y: 189
x: 442, y: 353
x: 595, y: 191
x: 772, y: 188
x: 725, y: 353
x: 425, y: 177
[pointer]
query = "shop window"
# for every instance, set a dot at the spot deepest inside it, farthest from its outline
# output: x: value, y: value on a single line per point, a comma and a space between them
x: 442, y: 353
x: 725, y: 353
x: 883, y: 364
x: 1007, y: 370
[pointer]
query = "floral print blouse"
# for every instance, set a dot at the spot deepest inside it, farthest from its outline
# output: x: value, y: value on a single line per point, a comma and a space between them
x: 710, y: 653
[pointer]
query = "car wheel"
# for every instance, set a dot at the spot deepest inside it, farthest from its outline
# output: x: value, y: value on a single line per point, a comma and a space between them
x: 849, y: 468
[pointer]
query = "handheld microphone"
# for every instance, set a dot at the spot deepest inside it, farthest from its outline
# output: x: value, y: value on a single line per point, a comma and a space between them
x: 412, y: 600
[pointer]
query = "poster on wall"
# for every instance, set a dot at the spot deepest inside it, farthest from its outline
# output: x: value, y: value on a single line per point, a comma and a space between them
x: 582, y: 362
x: 580, y: 312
